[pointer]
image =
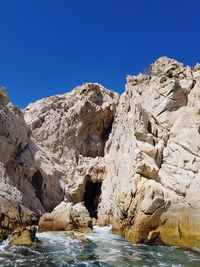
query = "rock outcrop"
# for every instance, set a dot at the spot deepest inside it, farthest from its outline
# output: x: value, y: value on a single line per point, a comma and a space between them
x: 52, y: 151
x: 131, y: 161
x: 17, y: 165
x: 153, y: 158
x: 25, y: 236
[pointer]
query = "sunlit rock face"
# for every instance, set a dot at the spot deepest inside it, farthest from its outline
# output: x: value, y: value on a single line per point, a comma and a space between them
x: 152, y: 182
x: 66, y: 216
x: 18, y: 163
x: 130, y: 161
x: 51, y: 150
x: 71, y: 130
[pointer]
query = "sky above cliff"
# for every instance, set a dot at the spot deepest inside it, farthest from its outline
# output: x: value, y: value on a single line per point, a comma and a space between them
x: 48, y: 47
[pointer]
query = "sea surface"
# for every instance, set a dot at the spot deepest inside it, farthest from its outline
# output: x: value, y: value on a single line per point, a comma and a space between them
x: 105, y: 249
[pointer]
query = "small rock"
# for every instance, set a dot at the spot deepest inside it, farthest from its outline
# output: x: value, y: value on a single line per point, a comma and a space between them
x: 25, y: 236
x: 78, y: 236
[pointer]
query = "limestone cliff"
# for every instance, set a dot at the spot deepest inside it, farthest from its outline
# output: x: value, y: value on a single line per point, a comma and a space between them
x: 150, y: 191
x: 50, y: 157
x: 132, y: 161
x: 17, y: 164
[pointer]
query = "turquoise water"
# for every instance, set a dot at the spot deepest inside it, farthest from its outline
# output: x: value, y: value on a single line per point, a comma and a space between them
x: 105, y: 249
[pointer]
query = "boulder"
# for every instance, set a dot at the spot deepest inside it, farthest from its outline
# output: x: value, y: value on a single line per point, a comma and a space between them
x: 66, y: 216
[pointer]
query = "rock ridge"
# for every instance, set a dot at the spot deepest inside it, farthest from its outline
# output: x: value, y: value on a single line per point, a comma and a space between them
x: 152, y: 180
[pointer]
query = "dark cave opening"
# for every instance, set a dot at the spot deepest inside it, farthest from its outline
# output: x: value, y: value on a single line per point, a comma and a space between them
x: 91, y: 197
x: 37, y: 183
x: 107, y: 130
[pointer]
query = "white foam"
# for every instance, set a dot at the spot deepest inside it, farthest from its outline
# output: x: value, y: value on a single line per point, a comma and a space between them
x: 4, y: 244
x: 105, y: 248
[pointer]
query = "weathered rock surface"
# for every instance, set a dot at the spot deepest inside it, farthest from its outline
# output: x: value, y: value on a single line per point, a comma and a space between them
x: 25, y: 236
x: 52, y: 155
x: 133, y: 161
x: 153, y: 158
x: 17, y: 165
x: 66, y: 216
x: 77, y: 236
x: 71, y: 130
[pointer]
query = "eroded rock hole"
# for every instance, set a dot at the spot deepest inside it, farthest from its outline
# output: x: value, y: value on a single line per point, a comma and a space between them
x: 92, y: 197
x: 149, y: 127
x: 37, y: 183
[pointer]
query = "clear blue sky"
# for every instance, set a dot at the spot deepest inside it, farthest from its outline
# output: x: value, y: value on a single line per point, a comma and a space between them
x: 48, y: 47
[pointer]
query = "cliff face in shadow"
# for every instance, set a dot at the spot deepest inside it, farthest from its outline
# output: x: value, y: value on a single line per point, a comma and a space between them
x: 132, y: 161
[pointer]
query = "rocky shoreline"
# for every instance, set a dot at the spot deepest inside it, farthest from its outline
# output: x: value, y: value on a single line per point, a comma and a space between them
x: 92, y: 156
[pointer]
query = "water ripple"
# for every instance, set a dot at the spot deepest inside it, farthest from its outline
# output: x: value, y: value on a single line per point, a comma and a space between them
x: 105, y: 249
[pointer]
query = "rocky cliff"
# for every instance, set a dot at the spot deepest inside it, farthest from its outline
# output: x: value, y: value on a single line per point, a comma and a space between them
x: 130, y: 161
x: 51, y: 150
x: 150, y: 190
x: 18, y: 163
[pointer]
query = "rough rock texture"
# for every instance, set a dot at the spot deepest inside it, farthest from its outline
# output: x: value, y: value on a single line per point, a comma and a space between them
x: 78, y: 236
x: 66, y: 216
x: 153, y: 158
x: 72, y: 130
x: 17, y: 164
x: 24, y: 236
x: 52, y: 155
x: 132, y: 161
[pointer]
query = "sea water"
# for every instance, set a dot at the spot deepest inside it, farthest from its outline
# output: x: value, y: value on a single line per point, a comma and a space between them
x: 105, y: 249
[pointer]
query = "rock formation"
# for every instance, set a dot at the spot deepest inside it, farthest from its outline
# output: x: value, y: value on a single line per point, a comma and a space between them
x: 66, y: 216
x: 17, y: 165
x: 25, y: 236
x: 153, y: 158
x: 131, y: 161
x: 55, y: 155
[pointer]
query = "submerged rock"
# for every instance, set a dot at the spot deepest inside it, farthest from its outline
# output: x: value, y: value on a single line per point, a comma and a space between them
x: 78, y: 236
